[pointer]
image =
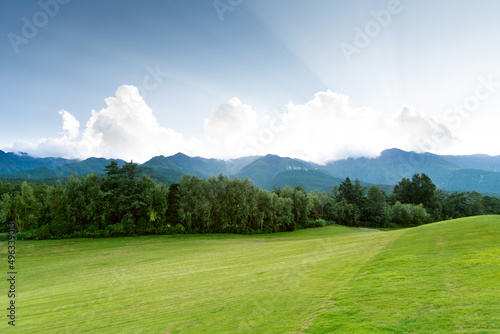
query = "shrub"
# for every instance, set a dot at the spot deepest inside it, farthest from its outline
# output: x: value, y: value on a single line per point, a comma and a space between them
x: 143, y: 224
x: 409, y: 214
x: 32, y: 222
x: 59, y: 227
x: 178, y: 229
x: 128, y: 223
x: 43, y: 232
x: 316, y: 223
x: 115, y: 230
x: 347, y: 214
x: 26, y: 235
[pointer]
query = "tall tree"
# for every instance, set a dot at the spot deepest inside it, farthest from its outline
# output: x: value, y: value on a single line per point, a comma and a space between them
x: 352, y: 194
x: 377, y: 209
x: 420, y: 190
x: 173, y: 205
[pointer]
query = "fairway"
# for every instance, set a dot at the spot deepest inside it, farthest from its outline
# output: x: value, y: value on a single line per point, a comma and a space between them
x: 441, y: 277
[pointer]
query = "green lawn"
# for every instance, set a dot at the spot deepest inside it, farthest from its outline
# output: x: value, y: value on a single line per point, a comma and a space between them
x: 441, y: 277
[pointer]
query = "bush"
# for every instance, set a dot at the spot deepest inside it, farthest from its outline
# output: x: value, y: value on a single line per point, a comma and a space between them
x: 59, y: 227
x: 26, y: 235
x: 367, y: 224
x: 148, y: 230
x: 345, y: 214
x: 409, y: 215
x: 115, y: 230
x: 43, y: 232
x: 178, y: 229
x: 143, y: 224
x: 32, y: 222
x: 316, y: 223
x: 128, y: 223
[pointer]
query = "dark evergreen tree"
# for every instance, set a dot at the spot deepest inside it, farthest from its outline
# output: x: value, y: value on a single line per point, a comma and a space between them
x: 173, y: 205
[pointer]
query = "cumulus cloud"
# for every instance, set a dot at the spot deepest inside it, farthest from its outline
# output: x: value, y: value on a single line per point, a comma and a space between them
x: 323, y: 129
x: 420, y: 132
x: 126, y: 128
x: 71, y: 126
x: 229, y: 125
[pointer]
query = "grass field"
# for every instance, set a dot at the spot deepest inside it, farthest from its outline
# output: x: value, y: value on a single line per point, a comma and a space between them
x: 442, y: 277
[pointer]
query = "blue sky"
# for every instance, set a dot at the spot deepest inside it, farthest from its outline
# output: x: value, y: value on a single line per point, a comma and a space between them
x: 251, y: 77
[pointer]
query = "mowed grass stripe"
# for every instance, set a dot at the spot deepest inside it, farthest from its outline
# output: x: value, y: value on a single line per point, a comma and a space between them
x: 438, y: 278
x: 195, y: 284
x: 366, y: 253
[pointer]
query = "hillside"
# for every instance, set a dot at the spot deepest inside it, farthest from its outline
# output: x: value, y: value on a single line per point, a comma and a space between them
x: 264, y: 169
x: 452, y: 173
x: 14, y: 162
x: 198, y: 166
x: 437, y: 278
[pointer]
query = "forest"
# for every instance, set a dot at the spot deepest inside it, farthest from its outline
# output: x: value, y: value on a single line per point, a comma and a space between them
x: 123, y: 202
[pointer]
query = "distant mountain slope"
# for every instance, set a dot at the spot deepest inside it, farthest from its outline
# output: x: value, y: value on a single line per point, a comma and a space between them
x: 464, y: 173
x: 447, y: 172
x: 475, y: 161
x: 264, y: 169
x: 198, y: 166
x: 37, y: 173
x: 309, y: 180
x: 13, y: 162
x: 471, y: 179
x: 390, y: 167
x: 90, y: 165
x: 161, y: 175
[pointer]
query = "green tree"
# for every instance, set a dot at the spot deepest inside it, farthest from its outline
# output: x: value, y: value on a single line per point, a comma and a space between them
x: 197, y: 200
x: 301, y: 207
x: 463, y: 204
x: 319, y: 200
x: 377, y: 210
x: 84, y: 203
x: 491, y: 205
x: 55, y: 210
x: 352, y: 194
x: 420, y: 190
x: 173, y: 205
x: 154, y: 197
x: 123, y: 192
x: 23, y: 208
x: 409, y: 215
x: 283, y: 220
x: 7, y: 211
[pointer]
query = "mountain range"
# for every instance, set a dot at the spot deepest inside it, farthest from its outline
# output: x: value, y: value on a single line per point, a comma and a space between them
x: 453, y: 173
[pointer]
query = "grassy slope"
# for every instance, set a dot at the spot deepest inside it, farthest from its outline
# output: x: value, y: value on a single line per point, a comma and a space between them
x: 440, y: 278
x: 432, y: 278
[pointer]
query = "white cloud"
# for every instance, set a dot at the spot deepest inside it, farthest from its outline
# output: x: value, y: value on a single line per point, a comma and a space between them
x: 421, y: 133
x: 71, y: 126
x: 125, y: 129
x: 325, y: 128
x: 228, y: 126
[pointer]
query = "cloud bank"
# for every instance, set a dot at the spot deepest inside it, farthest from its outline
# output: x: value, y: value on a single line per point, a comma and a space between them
x: 323, y: 129
x: 125, y: 129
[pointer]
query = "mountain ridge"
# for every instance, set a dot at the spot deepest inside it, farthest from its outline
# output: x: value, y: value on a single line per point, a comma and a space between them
x: 477, y: 172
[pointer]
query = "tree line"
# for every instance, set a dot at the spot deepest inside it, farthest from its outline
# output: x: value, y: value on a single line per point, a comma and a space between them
x: 124, y: 203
